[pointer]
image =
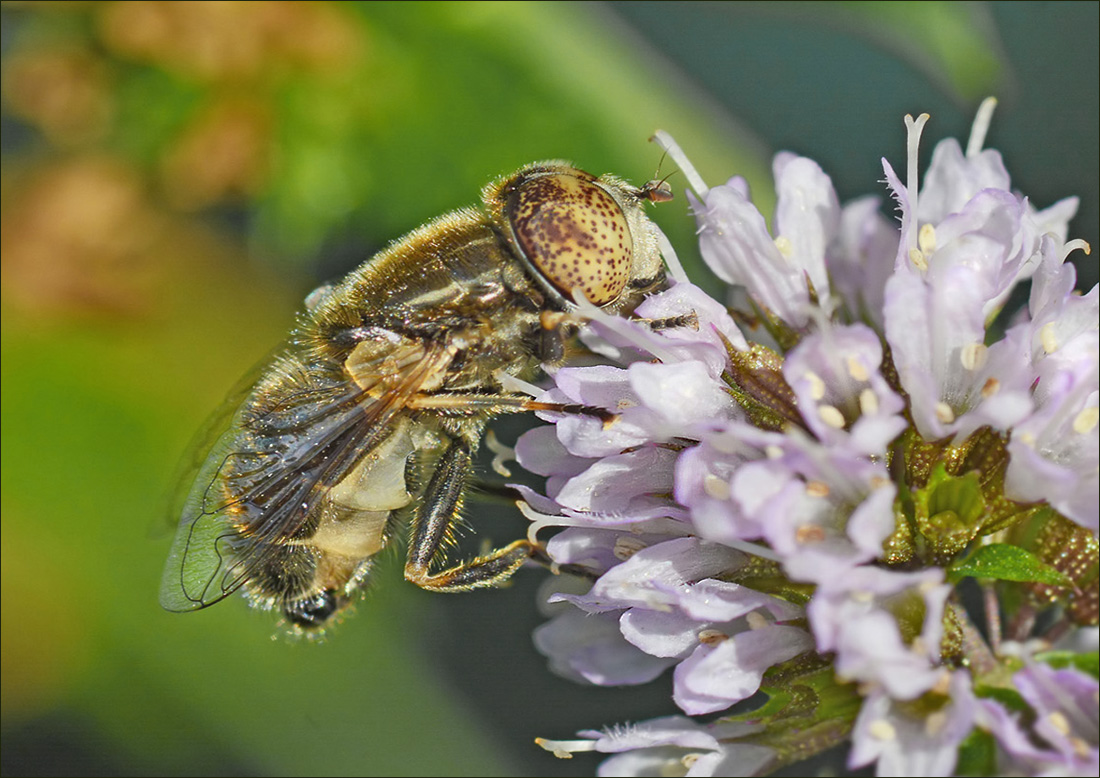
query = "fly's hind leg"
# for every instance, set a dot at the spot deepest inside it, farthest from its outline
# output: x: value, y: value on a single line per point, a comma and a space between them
x: 433, y: 527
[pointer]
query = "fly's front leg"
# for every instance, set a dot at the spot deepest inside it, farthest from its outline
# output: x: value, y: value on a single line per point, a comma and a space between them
x: 555, y: 321
x: 433, y: 528
x: 466, y: 404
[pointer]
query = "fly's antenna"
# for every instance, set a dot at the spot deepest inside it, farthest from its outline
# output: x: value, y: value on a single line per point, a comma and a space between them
x: 658, y: 190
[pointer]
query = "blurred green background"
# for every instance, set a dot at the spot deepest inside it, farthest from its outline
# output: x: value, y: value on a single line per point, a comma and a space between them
x: 177, y: 176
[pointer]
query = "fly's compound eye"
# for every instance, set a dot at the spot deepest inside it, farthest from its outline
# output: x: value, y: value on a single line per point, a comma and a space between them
x: 574, y: 234
x: 312, y: 612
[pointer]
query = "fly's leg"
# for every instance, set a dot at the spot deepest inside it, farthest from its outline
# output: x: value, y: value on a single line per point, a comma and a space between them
x: 433, y: 529
x: 470, y: 404
x: 435, y: 520
x: 553, y: 320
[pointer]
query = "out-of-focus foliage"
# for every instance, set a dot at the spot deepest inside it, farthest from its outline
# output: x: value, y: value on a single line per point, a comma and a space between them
x: 325, y: 125
x: 953, y: 43
x: 176, y: 176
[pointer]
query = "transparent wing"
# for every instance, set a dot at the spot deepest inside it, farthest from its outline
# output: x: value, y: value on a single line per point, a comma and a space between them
x: 199, y: 451
x: 296, y: 435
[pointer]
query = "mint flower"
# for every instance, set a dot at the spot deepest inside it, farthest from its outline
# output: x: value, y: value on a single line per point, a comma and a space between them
x: 849, y: 504
x: 1062, y: 738
x: 674, y: 745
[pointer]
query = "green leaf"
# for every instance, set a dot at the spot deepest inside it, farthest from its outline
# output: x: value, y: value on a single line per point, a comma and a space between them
x: 949, y: 510
x: 1009, y: 698
x: 1007, y: 563
x: 977, y: 755
x: 957, y: 495
x: 1087, y: 662
x: 954, y: 43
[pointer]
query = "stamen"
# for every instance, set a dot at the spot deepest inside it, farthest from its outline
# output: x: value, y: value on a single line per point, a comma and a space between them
x: 944, y: 412
x: 831, y: 416
x: 881, y: 729
x: 918, y: 260
x: 1086, y: 421
x: 868, y: 402
x: 856, y: 369
x: 786, y: 248
x: 926, y: 239
x: 980, y: 127
x: 817, y: 385
x: 711, y: 637
x: 809, y: 533
x: 1047, y: 338
x: 942, y: 686
x: 817, y: 489
x: 716, y: 487
x: 756, y: 620
x: 973, y: 356
x: 935, y: 723
x: 990, y: 388
x: 672, y: 148
x: 1059, y: 721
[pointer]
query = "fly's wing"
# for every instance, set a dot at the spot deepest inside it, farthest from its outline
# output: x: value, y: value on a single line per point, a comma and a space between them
x: 303, y: 428
x: 199, y: 452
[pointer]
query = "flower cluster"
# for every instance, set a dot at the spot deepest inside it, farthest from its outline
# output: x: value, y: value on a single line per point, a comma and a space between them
x: 866, y: 501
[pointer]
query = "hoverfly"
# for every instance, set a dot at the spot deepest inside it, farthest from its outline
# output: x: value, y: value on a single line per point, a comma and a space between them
x: 370, y: 416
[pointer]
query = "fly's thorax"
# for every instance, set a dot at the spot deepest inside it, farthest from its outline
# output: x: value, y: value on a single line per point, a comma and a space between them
x: 576, y: 233
x: 454, y: 277
x: 447, y: 266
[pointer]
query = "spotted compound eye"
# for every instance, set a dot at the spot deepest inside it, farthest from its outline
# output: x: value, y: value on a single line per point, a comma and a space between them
x: 575, y: 235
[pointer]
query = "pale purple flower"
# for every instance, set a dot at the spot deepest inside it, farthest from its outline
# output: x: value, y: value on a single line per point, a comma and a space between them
x: 842, y: 395
x: 735, y: 241
x: 669, y: 606
x: 589, y: 647
x: 1067, y: 711
x: 904, y: 740
x: 823, y: 510
x: 860, y: 618
x: 1060, y: 735
x: 1056, y: 450
x: 965, y: 242
x: 789, y: 509
x: 861, y: 260
x: 673, y: 745
x: 726, y: 669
